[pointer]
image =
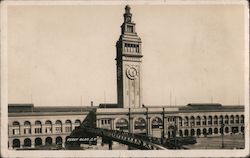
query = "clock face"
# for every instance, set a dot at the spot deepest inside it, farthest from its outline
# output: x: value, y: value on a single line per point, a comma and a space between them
x: 132, y: 73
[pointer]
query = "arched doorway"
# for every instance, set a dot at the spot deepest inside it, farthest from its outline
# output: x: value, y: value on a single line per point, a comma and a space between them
x: 156, y: 125
x: 226, y: 130
x: 192, y: 132
x: 27, y: 142
x: 215, y: 130
x: 16, y: 143
x: 198, y: 131
x: 242, y: 129
x: 121, y: 124
x: 186, y: 132
x: 180, y: 133
x: 59, y: 140
x: 171, y: 131
x: 48, y: 141
x: 38, y: 141
x: 204, y: 131
x: 210, y: 131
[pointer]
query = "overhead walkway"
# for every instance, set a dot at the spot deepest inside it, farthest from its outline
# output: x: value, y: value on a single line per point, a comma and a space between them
x: 88, y: 128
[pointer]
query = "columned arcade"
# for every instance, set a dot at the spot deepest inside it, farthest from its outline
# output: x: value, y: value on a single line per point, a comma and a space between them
x: 165, y: 122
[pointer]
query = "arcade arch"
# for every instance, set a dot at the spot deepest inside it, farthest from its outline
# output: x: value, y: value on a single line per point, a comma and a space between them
x: 121, y: 124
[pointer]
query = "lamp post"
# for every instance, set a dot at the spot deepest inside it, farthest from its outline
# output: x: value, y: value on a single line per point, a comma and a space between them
x: 222, y: 135
x: 163, y: 126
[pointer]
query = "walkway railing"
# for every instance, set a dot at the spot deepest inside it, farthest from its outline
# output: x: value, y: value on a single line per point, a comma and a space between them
x: 135, y: 140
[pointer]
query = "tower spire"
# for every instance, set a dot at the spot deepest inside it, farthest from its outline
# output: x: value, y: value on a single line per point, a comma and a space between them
x: 127, y: 15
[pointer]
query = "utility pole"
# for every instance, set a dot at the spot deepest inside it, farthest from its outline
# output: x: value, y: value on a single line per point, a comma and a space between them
x: 175, y: 144
x: 105, y: 99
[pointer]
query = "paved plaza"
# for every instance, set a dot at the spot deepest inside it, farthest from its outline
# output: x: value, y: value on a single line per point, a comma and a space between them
x: 230, y: 142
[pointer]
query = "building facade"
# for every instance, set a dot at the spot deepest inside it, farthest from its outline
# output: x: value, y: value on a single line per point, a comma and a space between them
x: 31, y: 127
x: 198, y: 120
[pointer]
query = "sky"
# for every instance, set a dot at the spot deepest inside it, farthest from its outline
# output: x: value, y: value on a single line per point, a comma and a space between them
x: 65, y: 55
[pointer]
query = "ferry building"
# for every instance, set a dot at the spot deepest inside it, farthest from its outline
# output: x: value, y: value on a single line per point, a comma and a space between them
x: 30, y: 126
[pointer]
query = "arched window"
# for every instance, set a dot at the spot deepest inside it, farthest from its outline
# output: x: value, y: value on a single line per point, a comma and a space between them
x: 186, y: 121
x: 48, y: 128
x: 180, y: 121
x: 140, y: 123
x: 68, y: 122
x: 156, y: 123
x: 48, y: 122
x: 58, y: 122
x: 38, y: 122
x: 221, y: 119
x: 210, y: 120
x: 16, y: 128
x: 204, y: 120
x: 192, y: 121
x: 121, y: 124
x: 27, y: 127
x: 241, y: 118
x: 27, y: 123
x: 226, y: 120
x: 38, y: 128
x: 198, y: 120
x: 216, y: 120
x: 68, y: 126
x: 231, y: 119
x: 77, y: 122
x: 58, y: 126
x: 237, y: 119
x: 16, y: 123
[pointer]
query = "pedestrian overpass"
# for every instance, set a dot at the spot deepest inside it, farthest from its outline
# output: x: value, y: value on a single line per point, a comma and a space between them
x: 138, y: 141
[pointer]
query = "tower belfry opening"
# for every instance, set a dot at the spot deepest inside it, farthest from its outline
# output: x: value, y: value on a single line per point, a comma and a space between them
x: 128, y: 62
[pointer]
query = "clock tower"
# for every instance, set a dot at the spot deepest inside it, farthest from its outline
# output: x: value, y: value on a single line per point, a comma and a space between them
x: 128, y: 63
